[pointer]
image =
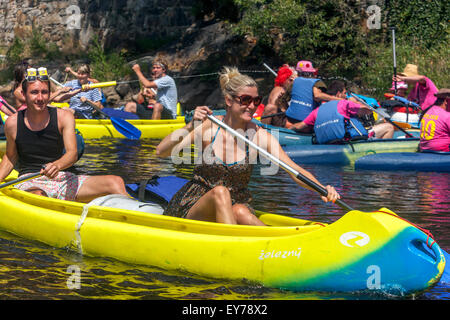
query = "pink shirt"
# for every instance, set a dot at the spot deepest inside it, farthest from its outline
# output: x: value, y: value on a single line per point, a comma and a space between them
x: 423, y: 94
x: 347, y: 108
x: 435, y: 130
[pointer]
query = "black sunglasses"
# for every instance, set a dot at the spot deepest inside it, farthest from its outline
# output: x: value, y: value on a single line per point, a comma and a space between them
x: 246, y: 100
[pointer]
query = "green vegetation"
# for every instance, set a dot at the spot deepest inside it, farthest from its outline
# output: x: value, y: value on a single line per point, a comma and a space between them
x: 107, y: 66
x: 335, y: 37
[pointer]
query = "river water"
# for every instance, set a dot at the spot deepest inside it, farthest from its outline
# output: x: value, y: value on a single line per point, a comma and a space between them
x: 32, y: 270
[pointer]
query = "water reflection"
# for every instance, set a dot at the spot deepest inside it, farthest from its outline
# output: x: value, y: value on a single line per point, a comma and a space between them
x: 31, y: 270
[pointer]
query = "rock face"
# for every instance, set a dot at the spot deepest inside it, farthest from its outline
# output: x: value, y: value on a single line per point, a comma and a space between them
x: 195, y: 50
x: 71, y: 24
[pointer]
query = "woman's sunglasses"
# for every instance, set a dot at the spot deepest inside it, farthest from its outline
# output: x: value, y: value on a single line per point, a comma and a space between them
x: 246, y: 100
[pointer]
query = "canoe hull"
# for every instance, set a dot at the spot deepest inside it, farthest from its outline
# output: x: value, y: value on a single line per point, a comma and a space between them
x: 287, y: 137
x: 151, y: 129
x: 361, y: 251
x: 408, y: 161
x: 347, y: 154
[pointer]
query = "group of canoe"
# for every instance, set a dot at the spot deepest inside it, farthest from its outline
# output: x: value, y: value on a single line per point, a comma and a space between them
x: 362, y: 251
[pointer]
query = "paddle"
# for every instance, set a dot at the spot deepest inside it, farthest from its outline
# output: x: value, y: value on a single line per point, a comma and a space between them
x: 124, y: 127
x: 382, y: 114
x: 6, y: 104
x: 280, y: 163
x: 403, y: 100
x: 270, y: 69
x: 395, y: 59
x: 22, y: 179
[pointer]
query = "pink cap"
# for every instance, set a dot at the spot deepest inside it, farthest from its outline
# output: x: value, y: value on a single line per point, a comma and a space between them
x: 305, y: 66
x: 400, y: 85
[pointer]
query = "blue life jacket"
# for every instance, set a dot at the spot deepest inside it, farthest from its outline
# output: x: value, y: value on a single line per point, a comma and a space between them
x: 332, y: 127
x: 302, y: 99
x: 156, y: 189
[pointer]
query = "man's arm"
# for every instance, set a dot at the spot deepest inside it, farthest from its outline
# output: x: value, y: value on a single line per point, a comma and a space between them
x: 319, y: 95
x: 145, y: 82
x: 301, y: 127
x: 66, y: 125
x: 421, y: 79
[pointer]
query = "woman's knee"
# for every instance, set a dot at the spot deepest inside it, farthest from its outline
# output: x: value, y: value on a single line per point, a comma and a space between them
x: 221, y: 193
x: 241, y: 212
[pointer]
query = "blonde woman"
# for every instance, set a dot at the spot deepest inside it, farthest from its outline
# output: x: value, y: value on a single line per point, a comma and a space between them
x: 218, y: 190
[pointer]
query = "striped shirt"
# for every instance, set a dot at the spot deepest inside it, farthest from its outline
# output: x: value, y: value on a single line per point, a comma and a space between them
x: 75, y: 103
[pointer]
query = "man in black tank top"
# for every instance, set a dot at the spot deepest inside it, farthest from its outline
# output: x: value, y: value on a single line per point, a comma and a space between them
x: 36, y: 138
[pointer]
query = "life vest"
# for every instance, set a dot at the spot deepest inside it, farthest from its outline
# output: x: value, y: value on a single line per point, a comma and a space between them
x: 157, y: 189
x: 302, y: 99
x: 332, y: 127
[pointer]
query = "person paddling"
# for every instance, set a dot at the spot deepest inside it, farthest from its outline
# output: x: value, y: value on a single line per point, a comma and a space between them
x: 285, y: 78
x: 81, y: 99
x: 423, y: 89
x: 337, y: 121
x: 308, y: 92
x: 218, y: 190
x: 35, y: 142
x: 435, y: 124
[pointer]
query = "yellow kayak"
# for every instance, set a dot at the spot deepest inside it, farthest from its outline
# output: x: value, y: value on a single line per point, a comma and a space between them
x: 97, y: 129
x: 151, y: 129
x: 375, y: 251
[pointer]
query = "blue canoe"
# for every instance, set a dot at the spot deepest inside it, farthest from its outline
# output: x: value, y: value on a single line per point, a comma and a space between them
x: 288, y: 137
x: 408, y: 161
x: 347, y: 154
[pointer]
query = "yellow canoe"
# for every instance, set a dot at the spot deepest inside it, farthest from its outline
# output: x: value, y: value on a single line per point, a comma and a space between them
x: 151, y: 129
x: 374, y: 251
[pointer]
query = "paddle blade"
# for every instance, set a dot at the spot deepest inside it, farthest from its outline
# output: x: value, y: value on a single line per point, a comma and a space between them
x: 389, y: 95
x: 126, y: 128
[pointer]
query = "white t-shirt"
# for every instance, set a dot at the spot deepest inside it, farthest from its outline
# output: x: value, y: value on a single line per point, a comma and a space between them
x: 167, y: 94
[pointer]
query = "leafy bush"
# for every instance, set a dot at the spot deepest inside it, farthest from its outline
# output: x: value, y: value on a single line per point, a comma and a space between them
x: 335, y: 37
x: 107, y: 66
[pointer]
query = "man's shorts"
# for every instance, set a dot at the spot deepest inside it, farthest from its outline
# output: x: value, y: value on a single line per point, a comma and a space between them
x: 64, y: 187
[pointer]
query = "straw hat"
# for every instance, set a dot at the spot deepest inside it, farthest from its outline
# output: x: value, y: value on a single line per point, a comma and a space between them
x: 409, y: 71
x: 443, y: 93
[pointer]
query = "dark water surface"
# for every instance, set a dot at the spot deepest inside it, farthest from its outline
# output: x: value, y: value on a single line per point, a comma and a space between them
x: 32, y: 270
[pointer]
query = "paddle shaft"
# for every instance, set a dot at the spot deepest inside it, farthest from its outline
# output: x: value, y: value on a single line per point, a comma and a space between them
x: 379, y: 113
x: 322, y: 191
x: 6, y: 104
x: 32, y: 176
x: 270, y: 69
x: 395, y: 60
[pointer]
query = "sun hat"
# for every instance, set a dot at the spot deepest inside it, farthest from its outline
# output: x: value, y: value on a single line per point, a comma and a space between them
x: 443, y: 93
x: 400, y: 85
x: 409, y: 71
x: 305, y: 66
x: 283, y: 74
